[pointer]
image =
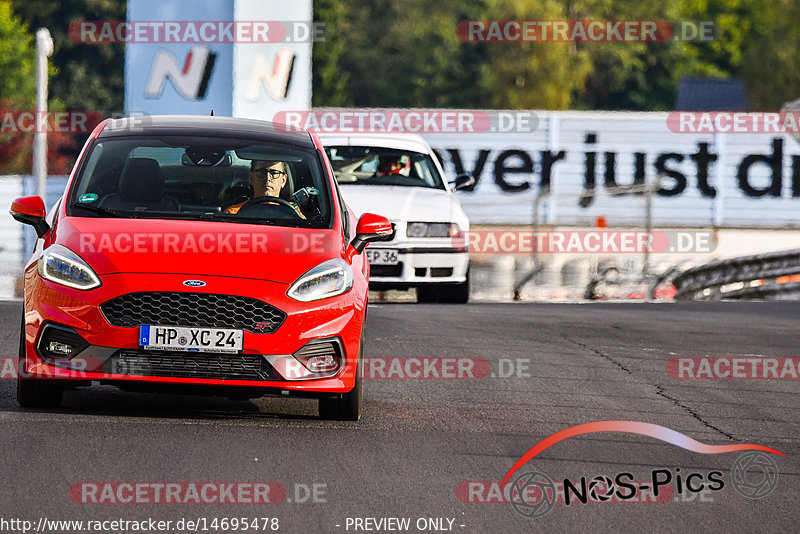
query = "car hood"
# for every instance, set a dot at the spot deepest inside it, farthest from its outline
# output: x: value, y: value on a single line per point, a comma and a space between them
x: 197, y: 248
x: 399, y: 203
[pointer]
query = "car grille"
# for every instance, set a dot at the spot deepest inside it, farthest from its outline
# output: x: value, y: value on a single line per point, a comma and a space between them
x: 193, y: 309
x: 190, y: 365
x: 386, y: 270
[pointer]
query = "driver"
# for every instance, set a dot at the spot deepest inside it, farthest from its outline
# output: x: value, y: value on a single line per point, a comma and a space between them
x: 267, y: 179
x: 389, y: 165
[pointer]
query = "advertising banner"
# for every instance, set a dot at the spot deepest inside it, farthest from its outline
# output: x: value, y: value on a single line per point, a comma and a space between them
x: 244, y: 58
x: 704, y: 170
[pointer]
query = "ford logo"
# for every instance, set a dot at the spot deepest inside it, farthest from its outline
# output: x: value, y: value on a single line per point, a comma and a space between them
x: 194, y: 283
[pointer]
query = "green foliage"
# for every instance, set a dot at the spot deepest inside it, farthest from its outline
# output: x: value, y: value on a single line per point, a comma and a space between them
x: 89, y: 77
x: 769, y: 65
x: 17, y: 81
x: 327, y: 55
x: 392, y: 53
x: 533, y: 75
x: 406, y: 53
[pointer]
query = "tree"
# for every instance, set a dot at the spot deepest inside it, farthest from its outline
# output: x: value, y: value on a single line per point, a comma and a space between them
x: 17, y: 82
x: 330, y: 82
x: 642, y: 76
x: 16, y: 145
x: 406, y: 53
x: 754, y: 41
x: 83, y: 77
x: 392, y: 53
x: 89, y: 77
x: 531, y: 75
x: 769, y: 66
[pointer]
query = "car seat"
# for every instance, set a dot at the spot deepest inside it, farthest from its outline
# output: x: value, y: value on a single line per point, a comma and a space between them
x: 141, y: 187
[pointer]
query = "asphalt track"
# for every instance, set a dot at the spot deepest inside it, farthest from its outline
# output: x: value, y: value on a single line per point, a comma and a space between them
x: 420, y: 440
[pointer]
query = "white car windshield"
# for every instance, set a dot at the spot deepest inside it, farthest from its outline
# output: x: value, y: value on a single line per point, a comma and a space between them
x: 367, y: 165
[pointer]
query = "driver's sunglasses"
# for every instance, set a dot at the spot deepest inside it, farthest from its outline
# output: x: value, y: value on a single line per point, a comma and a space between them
x: 274, y: 174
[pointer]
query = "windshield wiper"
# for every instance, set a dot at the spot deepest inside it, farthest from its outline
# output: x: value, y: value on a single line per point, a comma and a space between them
x: 239, y: 219
x: 96, y: 209
x: 211, y: 215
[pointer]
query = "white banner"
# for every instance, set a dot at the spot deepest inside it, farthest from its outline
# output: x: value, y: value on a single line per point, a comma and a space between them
x: 733, y: 177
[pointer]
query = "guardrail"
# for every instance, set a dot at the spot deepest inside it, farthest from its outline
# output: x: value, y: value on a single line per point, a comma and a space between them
x: 774, y: 275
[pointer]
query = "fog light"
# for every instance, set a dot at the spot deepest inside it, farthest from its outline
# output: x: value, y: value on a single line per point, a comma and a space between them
x: 58, y: 341
x: 322, y: 364
x: 61, y: 349
x: 321, y: 357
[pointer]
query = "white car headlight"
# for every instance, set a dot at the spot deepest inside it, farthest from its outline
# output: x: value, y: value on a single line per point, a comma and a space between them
x: 328, y: 279
x: 416, y: 229
x: 62, y: 266
x: 433, y: 229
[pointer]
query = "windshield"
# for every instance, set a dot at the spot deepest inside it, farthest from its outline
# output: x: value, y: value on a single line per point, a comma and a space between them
x: 203, y: 178
x: 383, y: 166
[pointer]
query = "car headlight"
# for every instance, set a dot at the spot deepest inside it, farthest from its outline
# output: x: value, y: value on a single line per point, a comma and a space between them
x: 433, y: 229
x: 62, y: 266
x: 328, y: 279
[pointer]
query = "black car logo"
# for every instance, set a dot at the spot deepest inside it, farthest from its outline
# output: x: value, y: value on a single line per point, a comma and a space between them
x: 194, y: 283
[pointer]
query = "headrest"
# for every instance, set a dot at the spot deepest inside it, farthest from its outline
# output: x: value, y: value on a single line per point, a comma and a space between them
x: 142, y: 180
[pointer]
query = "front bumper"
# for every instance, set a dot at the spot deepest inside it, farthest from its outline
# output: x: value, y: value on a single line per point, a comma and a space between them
x: 113, y: 353
x: 420, y: 265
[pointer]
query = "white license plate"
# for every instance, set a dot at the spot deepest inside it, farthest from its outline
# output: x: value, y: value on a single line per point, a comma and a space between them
x: 188, y: 339
x: 382, y: 256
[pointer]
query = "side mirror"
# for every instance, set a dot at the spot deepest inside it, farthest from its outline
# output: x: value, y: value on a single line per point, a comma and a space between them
x: 463, y: 181
x: 370, y: 228
x: 30, y: 210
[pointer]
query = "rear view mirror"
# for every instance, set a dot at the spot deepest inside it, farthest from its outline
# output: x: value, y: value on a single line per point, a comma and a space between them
x: 205, y: 157
x: 30, y: 210
x: 267, y: 153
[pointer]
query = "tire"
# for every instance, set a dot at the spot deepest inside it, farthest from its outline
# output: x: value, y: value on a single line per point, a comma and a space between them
x: 32, y: 393
x: 427, y: 294
x: 346, y: 406
x: 445, y: 293
x: 456, y: 294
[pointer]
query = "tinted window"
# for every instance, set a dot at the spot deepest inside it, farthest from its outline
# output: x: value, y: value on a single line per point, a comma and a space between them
x: 175, y: 177
x: 383, y: 166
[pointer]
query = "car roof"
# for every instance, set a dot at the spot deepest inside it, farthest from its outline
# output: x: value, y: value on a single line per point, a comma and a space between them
x: 412, y: 142
x: 201, y: 125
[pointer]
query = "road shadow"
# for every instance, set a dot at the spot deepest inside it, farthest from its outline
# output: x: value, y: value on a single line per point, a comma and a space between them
x: 110, y: 401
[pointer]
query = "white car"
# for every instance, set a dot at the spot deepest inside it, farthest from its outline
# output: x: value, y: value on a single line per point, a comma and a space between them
x: 399, y: 176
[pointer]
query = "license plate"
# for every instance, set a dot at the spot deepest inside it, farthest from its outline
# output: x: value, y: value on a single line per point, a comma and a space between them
x: 382, y: 256
x: 181, y: 338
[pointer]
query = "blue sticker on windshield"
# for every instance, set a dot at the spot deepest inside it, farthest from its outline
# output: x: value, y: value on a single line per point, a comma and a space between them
x: 88, y: 197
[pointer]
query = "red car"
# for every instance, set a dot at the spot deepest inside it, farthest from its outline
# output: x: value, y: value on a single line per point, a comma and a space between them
x: 205, y: 255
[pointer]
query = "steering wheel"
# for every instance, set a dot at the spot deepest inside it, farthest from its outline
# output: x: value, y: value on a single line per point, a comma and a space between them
x: 283, y: 205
